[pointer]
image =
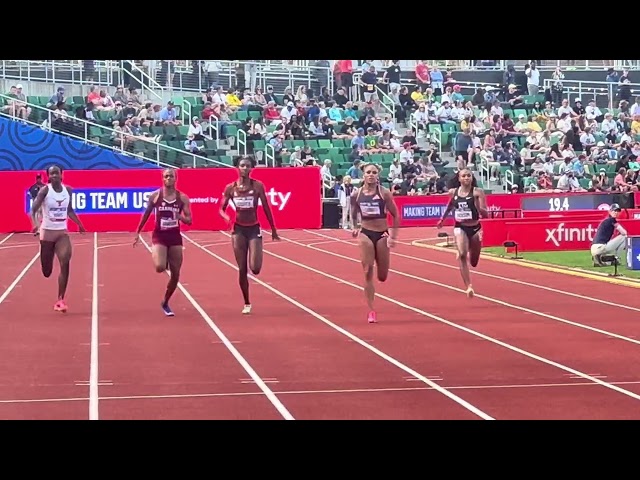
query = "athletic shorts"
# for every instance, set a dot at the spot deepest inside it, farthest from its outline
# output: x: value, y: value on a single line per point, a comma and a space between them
x: 249, y: 232
x: 167, y: 238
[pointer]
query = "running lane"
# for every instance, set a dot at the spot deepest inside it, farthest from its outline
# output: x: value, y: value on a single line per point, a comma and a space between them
x: 465, y: 359
x: 156, y: 367
x: 45, y: 353
x: 598, y: 315
x: 588, y: 351
x: 318, y: 372
x: 574, y: 284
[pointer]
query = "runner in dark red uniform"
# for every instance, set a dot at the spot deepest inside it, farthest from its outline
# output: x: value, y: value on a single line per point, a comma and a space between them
x: 171, y: 207
x: 246, y: 237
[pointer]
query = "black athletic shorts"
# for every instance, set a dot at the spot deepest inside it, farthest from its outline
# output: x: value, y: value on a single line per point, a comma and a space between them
x: 248, y: 232
x: 469, y: 230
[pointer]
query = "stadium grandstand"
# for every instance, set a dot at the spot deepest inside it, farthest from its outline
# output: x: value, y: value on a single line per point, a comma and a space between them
x: 420, y: 120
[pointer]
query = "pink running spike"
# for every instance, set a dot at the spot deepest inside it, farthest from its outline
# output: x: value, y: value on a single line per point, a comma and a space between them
x: 372, y: 318
x: 60, y: 306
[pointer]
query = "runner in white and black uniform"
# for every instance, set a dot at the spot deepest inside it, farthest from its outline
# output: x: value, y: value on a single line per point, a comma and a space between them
x: 468, y: 203
x: 57, y: 208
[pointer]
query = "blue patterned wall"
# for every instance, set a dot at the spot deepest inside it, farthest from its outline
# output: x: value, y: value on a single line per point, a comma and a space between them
x: 27, y: 147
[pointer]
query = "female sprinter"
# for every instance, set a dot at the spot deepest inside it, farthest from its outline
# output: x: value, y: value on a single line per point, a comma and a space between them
x: 246, y: 237
x: 171, y: 207
x: 55, y: 200
x: 370, y: 204
x: 468, y: 204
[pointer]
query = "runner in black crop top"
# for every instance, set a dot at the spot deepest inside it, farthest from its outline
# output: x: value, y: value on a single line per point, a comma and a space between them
x: 370, y: 205
x: 468, y: 203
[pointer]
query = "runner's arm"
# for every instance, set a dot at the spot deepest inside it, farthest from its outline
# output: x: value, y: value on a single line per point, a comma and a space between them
x: 186, y: 210
x: 265, y: 206
x: 447, y: 210
x: 481, y: 203
x: 392, y: 208
x: 37, y: 204
x: 355, y: 209
x: 151, y: 203
x: 72, y: 213
x: 226, y: 198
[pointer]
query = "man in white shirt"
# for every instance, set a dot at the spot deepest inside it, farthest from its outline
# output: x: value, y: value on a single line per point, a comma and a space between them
x: 533, y: 79
x: 593, y: 112
x: 608, y: 124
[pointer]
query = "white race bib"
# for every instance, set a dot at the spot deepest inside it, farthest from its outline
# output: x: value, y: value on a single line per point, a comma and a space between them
x: 166, y: 223
x: 58, y: 214
x: 243, y: 202
x: 370, y: 210
x: 461, y: 215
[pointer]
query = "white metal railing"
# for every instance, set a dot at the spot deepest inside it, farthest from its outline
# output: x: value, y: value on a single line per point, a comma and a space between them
x: 147, y: 84
x: 269, y: 154
x: 241, y: 137
x: 573, y: 89
x: 69, y: 72
x: 509, y: 180
x: 387, y: 103
x: 90, y: 131
x: 484, y: 170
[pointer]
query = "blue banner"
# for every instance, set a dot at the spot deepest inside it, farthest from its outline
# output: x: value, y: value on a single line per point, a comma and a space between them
x: 107, y: 200
x: 421, y: 212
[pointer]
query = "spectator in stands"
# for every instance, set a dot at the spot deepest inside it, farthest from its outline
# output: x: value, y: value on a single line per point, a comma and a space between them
x: 533, y: 78
x: 57, y: 97
x: 301, y: 95
x: 20, y: 104
x: 340, y: 97
x: 169, y: 115
x: 423, y: 80
x: 368, y: 83
x: 191, y: 146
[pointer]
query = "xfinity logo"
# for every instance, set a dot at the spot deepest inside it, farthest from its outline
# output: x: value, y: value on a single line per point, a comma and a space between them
x: 562, y: 234
x: 279, y: 200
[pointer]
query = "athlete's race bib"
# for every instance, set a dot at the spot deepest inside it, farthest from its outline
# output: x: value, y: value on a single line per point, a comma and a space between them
x: 58, y: 215
x: 370, y: 210
x: 461, y: 215
x: 166, y: 223
x: 243, y: 202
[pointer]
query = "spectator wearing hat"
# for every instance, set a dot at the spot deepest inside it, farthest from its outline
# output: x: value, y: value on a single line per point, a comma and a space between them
x: 604, y: 243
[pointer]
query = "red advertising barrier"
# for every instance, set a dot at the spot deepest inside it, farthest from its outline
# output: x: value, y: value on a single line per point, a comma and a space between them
x: 547, y: 235
x: 113, y: 200
x: 570, y: 215
x: 425, y: 210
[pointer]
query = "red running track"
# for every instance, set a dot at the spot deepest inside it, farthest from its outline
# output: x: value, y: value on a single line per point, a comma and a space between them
x: 305, y: 343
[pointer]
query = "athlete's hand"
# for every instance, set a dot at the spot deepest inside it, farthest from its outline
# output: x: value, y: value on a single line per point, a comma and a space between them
x: 82, y: 230
x: 136, y: 240
x: 225, y: 217
x: 355, y: 232
x: 34, y: 229
x: 390, y: 242
x: 439, y: 224
x: 274, y: 236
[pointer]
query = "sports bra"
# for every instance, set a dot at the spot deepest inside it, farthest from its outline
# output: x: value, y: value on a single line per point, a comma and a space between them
x: 464, y: 207
x: 372, y: 206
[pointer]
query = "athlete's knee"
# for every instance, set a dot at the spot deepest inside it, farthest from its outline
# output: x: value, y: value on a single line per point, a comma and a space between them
x: 462, y: 256
x: 256, y: 270
x: 160, y: 268
x: 368, y: 271
x: 47, y: 271
x: 382, y: 276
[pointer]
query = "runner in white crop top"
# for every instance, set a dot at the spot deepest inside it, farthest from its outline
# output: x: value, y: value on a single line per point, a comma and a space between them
x: 55, y: 199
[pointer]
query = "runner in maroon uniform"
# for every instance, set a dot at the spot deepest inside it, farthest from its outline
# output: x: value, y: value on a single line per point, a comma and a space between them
x: 246, y: 237
x: 171, y: 207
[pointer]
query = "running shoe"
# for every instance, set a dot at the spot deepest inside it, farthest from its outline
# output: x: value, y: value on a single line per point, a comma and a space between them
x: 60, y: 306
x: 246, y: 310
x: 372, y: 317
x: 167, y: 310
